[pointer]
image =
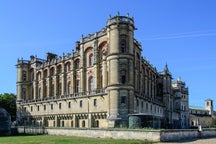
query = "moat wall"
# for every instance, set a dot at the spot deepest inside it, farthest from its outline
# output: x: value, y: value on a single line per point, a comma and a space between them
x: 151, y: 135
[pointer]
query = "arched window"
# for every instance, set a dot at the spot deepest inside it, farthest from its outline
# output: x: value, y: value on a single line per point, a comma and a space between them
x: 77, y: 64
x: 39, y: 76
x: 91, y: 83
x: 91, y: 60
x: 52, y: 71
x: 68, y: 67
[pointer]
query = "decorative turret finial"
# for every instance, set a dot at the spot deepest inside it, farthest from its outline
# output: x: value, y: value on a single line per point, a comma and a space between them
x: 118, y: 14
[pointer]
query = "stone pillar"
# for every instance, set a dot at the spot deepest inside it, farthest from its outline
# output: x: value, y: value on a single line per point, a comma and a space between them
x: 42, y: 85
x: 19, y: 82
x: 104, y: 73
x: 63, y: 80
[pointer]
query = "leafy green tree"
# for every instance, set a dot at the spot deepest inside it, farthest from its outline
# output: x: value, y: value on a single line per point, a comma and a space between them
x: 8, y: 102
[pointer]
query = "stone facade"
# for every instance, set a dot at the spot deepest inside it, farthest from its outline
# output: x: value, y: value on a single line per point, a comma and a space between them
x: 103, y: 83
x: 202, y: 116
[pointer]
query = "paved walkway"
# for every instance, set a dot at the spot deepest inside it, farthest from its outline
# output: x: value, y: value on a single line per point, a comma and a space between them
x: 194, y: 141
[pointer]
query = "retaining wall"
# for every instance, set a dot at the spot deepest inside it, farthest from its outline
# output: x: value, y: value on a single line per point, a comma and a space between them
x: 151, y: 135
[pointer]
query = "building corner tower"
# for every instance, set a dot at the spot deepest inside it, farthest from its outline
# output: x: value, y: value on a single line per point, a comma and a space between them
x: 120, y: 61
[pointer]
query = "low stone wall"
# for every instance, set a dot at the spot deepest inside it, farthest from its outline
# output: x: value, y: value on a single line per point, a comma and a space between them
x: 151, y: 135
x: 177, y: 135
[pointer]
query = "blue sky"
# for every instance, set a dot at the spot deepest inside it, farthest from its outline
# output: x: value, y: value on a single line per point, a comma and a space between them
x: 181, y: 33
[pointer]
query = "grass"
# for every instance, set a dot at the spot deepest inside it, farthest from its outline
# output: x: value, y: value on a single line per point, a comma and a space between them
x: 51, y: 139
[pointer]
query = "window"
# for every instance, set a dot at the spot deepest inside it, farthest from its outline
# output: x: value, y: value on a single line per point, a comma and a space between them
x: 123, y: 99
x: 45, y: 74
x: 60, y: 106
x: 123, y: 76
x: 83, y: 123
x: 44, y: 107
x: 97, y: 123
x: 95, y: 102
x: 68, y: 67
x: 123, y: 43
x: 38, y: 108
x: 62, y: 123
x: 31, y: 108
x: 24, y: 94
x: 24, y: 76
x: 52, y: 71
x: 146, y: 106
x: 81, y: 103
x: 91, y: 60
x: 77, y: 86
x: 59, y: 69
x: 91, y: 83
x: 59, y: 88
x: 69, y: 105
x: 51, y: 106
x: 39, y: 92
x: 123, y: 46
x: 77, y: 64
x: 69, y: 88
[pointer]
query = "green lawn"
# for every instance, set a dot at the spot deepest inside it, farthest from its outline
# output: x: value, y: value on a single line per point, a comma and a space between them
x: 51, y: 139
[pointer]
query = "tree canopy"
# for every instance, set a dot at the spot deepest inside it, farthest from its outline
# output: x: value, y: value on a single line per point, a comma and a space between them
x: 8, y: 102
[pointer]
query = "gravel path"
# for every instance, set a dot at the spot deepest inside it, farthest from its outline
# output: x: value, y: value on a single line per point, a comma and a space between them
x: 194, y: 141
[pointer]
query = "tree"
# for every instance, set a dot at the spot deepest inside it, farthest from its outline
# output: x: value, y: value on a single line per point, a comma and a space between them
x: 8, y: 102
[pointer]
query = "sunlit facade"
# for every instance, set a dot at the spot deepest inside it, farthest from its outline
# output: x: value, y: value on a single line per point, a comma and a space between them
x: 105, y: 82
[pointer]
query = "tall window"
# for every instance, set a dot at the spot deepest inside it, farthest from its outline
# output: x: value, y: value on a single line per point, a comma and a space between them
x: 95, y: 102
x: 81, y: 103
x: 68, y: 67
x: 60, y: 106
x: 77, y: 64
x: 77, y: 88
x: 24, y: 94
x: 59, y: 69
x: 52, y: 71
x: 123, y: 76
x: 59, y: 88
x: 69, y: 105
x: 39, y: 92
x: 123, y: 99
x: 91, y: 60
x: 69, y: 88
x: 91, y: 83
x: 24, y: 76
x: 123, y: 43
x: 123, y: 46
